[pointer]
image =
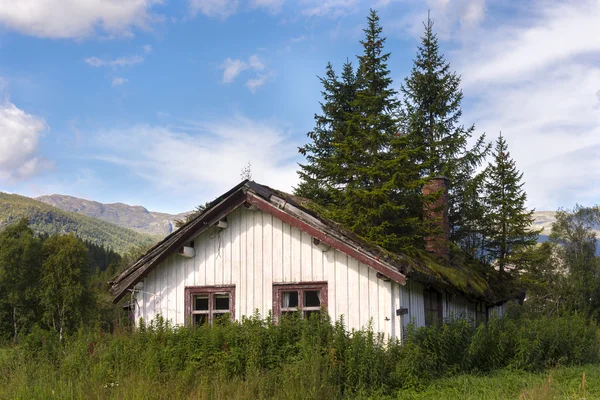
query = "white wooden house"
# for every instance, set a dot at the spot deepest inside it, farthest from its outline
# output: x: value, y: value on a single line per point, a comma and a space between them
x: 255, y: 248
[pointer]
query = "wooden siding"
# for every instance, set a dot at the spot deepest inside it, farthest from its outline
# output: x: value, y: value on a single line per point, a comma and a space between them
x: 257, y: 250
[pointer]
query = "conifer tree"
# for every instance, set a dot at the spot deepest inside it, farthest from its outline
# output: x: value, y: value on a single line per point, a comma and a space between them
x: 321, y: 176
x: 358, y: 164
x: 431, y: 118
x: 507, y: 221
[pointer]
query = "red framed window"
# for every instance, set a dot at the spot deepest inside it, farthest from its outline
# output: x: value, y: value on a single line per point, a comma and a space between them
x: 433, y: 307
x: 206, y: 304
x: 307, y: 298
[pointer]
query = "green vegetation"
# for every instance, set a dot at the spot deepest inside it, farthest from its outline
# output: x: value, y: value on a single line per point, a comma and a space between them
x: 45, y: 219
x: 56, y: 282
x: 303, y: 359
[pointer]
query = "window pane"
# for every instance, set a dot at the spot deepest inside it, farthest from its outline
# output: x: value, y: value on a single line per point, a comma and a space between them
x: 222, y: 302
x: 200, y: 319
x: 201, y: 302
x: 289, y: 299
x: 312, y: 298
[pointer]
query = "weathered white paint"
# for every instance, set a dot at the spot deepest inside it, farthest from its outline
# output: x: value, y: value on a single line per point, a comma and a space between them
x: 257, y: 250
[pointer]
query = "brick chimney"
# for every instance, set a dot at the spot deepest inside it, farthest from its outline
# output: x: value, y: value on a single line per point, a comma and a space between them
x: 437, y: 213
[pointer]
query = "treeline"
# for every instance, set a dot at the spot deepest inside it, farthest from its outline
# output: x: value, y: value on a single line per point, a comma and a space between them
x: 57, y: 282
x: 298, y: 358
x: 45, y: 219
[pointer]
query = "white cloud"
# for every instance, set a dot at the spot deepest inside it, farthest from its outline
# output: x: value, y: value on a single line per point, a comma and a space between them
x: 203, y: 159
x: 329, y: 8
x: 75, y: 18
x: 255, y: 63
x: 118, y: 81
x: 19, y: 141
x: 147, y: 48
x: 116, y: 63
x: 559, y: 33
x: 232, y: 68
x: 255, y: 83
x: 536, y: 80
x: 214, y: 8
x: 452, y: 19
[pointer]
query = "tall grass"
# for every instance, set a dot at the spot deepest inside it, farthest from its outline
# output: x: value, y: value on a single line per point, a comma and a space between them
x: 295, y: 359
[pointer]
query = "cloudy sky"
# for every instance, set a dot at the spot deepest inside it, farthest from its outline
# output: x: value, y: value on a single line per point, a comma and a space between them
x: 161, y: 102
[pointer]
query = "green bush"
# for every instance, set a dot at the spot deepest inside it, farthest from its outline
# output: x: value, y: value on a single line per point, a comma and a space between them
x: 296, y: 358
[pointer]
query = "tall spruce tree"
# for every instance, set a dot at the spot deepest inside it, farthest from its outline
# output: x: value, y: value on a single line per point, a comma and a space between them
x: 323, y: 174
x: 431, y: 119
x: 358, y: 164
x: 508, y: 224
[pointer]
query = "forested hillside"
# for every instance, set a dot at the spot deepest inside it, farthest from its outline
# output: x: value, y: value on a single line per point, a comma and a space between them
x: 45, y: 219
x: 137, y: 218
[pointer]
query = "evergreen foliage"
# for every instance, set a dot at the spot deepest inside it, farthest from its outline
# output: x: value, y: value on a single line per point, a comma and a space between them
x: 358, y: 166
x: 431, y: 119
x: 507, y: 223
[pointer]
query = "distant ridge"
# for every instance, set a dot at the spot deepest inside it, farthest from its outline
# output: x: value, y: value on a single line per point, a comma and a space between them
x: 47, y: 219
x: 137, y: 218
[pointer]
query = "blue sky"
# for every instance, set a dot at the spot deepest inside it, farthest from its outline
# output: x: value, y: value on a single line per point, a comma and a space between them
x: 162, y: 103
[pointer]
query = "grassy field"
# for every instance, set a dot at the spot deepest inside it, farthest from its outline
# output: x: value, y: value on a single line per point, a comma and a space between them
x: 28, y: 381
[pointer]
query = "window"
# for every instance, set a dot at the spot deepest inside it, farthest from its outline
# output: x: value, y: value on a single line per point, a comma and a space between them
x: 306, y: 297
x: 206, y: 304
x: 433, y: 307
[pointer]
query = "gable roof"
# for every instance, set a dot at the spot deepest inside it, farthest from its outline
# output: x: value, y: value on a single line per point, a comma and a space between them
x: 456, y: 274
x: 283, y: 207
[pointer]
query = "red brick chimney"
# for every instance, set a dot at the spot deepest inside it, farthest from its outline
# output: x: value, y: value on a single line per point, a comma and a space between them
x: 437, y: 213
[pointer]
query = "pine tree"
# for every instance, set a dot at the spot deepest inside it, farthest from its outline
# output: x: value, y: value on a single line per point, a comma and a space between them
x: 358, y: 165
x: 508, y: 224
x: 431, y: 118
x: 321, y: 176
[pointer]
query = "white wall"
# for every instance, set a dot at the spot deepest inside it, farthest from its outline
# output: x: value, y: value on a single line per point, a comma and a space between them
x: 257, y: 250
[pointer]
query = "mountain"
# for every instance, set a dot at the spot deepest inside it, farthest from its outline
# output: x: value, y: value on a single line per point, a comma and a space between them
x: 137, y: 218
x: 47, y: 219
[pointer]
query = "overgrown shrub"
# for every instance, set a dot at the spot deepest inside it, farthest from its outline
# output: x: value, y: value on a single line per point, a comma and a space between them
x: 296, y: 358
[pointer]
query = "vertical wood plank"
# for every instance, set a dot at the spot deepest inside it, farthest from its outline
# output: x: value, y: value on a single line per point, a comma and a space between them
x: 236, y: 258
x: 210, y: 251
x: 243, y: 262
x: 379, y: 322
x: 226, y: 253
x: 277, y: 240
x: 258, y: 262
x: 306, y: 247
x: 365, y: 297
x: 267, y: 263
x: 317, y: 263
x: 342, y: 286
x: 354, y: 294
x: 296, y: 255
x: 287, y: 253
x: 329, y: 275
x: 250, y: 215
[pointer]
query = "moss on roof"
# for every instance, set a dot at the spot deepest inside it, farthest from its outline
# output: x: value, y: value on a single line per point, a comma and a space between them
x: 459, y: 273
